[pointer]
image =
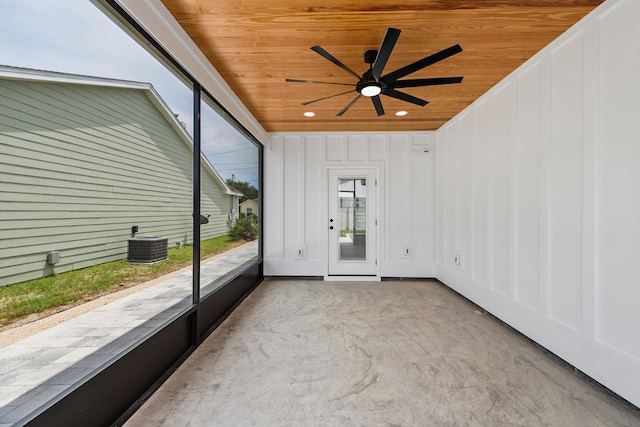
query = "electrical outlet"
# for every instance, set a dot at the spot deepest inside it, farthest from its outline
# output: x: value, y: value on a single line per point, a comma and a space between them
x: 456, y: 259
x: 406, y: 251
x: 301, y: 252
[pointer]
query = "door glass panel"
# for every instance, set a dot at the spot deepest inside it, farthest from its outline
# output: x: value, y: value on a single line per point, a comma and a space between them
x: 352, y: 202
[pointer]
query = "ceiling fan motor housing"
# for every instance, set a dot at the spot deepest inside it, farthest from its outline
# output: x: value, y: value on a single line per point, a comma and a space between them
x: 370, y: 56
x: 367, y: 81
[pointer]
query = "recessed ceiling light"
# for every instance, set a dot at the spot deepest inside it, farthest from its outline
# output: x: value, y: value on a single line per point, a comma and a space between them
x: 401, y: 113
x: 309, y: 114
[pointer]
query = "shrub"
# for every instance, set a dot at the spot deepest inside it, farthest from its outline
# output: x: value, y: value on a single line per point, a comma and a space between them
x: 243, y: 228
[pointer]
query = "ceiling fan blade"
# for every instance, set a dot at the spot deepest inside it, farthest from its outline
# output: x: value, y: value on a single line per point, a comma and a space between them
x: 378, y: 105
x: 349, y: 105
x: 327, y: 97
x: 328, y: 56
x: 420, y: 64
x: 425, y: 82
x: 313, y: 81
x: 404, y: 97
x: 384, y: 52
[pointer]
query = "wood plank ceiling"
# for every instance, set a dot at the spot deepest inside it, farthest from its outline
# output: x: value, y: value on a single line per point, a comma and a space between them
x: 255, y: 45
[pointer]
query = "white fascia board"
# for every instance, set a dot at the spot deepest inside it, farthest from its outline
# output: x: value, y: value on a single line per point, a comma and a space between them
x: 30, y: 74
x: 154, y: 17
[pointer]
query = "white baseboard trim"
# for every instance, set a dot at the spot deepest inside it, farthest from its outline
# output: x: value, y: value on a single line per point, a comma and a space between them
x: 352, y: 278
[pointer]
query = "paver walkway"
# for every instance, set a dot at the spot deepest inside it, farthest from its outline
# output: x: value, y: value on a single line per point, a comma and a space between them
x: 37, y: 369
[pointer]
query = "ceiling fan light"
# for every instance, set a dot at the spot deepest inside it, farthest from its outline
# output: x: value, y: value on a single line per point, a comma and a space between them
x: 401, y: 113
x: 309, y: 114
x: 371, y: 90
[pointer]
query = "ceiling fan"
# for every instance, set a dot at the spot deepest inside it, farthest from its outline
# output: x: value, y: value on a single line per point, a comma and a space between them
x: 372, y: 83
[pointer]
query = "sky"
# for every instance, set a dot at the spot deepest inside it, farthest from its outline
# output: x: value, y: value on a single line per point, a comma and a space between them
x: 74, y: 36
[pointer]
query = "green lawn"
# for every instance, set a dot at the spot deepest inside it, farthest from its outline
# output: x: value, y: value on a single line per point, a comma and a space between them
x: 39, y: 295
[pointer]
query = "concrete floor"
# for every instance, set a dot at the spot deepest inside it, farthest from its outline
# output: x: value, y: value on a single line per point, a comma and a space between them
x: 406, y: 353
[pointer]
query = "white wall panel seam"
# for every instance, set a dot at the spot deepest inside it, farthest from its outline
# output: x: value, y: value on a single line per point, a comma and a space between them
x: 589, y: 186
x: 545, y: 204
x: 512, y: 131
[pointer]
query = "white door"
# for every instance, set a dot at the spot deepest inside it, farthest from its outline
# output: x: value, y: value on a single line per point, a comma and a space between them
x: 352, y: 222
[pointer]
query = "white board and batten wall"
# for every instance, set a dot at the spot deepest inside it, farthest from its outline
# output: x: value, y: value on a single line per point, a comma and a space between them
x: 295, y: 198
x: 538, y: 198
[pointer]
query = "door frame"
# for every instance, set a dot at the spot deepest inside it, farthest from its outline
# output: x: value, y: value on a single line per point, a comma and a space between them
x: 373, y: 211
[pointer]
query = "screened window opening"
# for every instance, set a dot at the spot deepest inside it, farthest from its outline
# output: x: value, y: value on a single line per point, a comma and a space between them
x: 98, y: 193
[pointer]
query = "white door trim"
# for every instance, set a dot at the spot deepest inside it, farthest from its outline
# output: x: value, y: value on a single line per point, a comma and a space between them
x: 367, y: 269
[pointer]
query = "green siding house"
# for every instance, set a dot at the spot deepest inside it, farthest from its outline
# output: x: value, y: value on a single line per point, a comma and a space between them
x: 82, y: 161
